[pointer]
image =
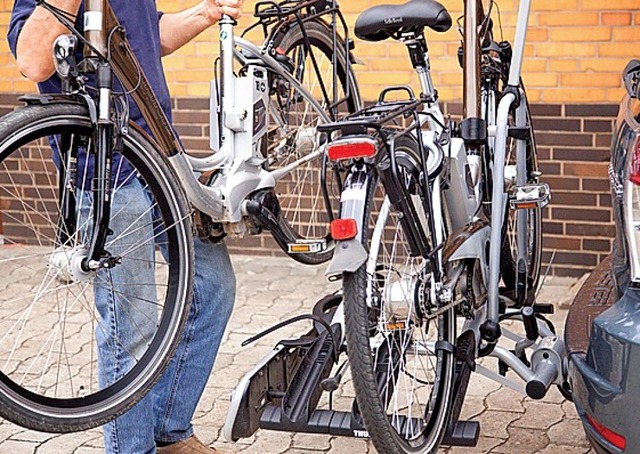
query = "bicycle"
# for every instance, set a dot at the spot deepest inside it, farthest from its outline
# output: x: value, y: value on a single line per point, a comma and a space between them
x: 438, y: 218
x: 266, y: 174
x: 434, y: 215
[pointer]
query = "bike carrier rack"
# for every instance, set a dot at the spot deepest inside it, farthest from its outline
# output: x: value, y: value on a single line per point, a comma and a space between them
x: 283, y: 390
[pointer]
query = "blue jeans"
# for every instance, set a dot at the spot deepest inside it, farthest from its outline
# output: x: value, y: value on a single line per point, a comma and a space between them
x: 165, y: 414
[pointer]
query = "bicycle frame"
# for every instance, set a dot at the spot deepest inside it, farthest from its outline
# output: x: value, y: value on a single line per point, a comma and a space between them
x: 241, y: 166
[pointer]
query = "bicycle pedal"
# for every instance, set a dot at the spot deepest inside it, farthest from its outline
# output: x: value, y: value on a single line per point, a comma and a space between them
x: 307, y: 246
x: 530, y: 196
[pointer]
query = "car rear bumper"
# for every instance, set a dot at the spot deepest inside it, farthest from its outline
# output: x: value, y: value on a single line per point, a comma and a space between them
x: 603, y: 341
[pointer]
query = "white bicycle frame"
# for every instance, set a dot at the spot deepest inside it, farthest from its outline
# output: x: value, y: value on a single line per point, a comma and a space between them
x: 237, y: 160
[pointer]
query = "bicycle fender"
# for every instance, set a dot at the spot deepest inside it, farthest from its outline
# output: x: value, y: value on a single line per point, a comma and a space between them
x: 348, y: 256
x: 59, y: 98
x: 470, y: 242
x: 53, y: 98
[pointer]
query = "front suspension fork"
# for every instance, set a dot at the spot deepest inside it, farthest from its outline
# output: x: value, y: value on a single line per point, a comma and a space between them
x: 101, y: 183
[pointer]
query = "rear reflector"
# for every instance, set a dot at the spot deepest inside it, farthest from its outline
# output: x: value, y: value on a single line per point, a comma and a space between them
x: 344, y: 229
x: 612, y: 437
x: 361, y: 147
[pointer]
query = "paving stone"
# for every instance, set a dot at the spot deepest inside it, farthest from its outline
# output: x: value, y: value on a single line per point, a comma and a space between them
x: 540, y: 415
x: 8, y: 430
x: 32, y: 435
x: 505, y: 399
x: 553, y: 396
x: 342, y: 445
x: 570, y: 411
x: 485, y: 445
x: 555, y: 449
x: 269, y: 442
x: 568, y: 432
x: 64, y: 444
x: 494, y: 423
x: 273, y: 289
x: 481, y: 386
x: 523, y: 441
x: 472, y: 407
x: 14, y: 446
x: 312, y: 441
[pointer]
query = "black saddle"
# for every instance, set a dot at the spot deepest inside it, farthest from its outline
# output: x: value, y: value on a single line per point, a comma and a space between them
x: 382, y: 21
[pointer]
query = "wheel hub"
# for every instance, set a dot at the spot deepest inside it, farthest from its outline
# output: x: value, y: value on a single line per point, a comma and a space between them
x: 66, y: 263
x: 404, y: 296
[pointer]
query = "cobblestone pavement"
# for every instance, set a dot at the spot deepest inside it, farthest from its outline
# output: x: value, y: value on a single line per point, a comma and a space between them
x: 272, y: 289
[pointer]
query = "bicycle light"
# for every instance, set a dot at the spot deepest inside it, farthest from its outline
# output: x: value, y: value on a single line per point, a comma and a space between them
x: 351, y: 148
x: 64, y: 49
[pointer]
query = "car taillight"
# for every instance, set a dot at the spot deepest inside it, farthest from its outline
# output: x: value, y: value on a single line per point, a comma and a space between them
x: 351, y: 148
x: 344, y: 229
x: 631, y: 207
x: 612, y: 437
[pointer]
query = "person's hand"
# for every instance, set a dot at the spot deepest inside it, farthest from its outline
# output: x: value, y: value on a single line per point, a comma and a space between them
x: 214, y: 9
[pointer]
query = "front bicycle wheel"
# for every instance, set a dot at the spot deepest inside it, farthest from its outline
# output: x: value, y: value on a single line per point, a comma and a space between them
x: 80, y: 346
x: 402, y: 372
x: 293, y: 138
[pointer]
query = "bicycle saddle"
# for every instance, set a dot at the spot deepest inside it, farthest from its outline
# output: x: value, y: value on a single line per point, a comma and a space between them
x: 380, y: 22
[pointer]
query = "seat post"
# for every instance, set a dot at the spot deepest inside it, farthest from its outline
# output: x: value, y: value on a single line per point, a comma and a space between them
x: 419, y: 55
x: 471, y: 49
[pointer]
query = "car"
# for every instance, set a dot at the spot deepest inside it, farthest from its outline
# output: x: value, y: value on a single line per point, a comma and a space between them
x: 602, y: 331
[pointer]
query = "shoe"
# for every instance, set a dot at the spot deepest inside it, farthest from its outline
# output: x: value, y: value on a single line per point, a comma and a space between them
x: 189, y: 446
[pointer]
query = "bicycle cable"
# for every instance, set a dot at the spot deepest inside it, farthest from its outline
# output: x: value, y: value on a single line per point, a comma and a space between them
x: 61, y: 15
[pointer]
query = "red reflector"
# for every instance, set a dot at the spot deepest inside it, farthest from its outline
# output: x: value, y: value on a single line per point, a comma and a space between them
x: 351, y: 149
x: 634, y: 174
x: 344, y: 229
x: 612, y: 437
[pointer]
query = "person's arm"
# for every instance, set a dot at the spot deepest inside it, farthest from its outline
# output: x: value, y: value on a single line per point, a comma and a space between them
x: 35, y: 42
x: 177, y: 29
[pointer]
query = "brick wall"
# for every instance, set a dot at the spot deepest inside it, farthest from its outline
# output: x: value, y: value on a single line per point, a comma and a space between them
x: 576, y: 50
x: 575, y: 53
x: 573, y: 147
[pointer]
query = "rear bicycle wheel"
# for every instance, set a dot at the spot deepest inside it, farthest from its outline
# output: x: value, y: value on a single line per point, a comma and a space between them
x: 293, y: 137
x: 80, y: 347
x: 402, y: 376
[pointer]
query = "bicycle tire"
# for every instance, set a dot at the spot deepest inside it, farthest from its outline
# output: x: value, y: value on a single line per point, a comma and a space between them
x: 49, y: 378
x: 293, y: 135
x: 404, y: 349
x: 509, y: 249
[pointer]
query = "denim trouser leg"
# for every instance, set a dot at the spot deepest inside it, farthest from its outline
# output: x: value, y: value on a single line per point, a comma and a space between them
x: 165, y: 413
x: 178, y: 391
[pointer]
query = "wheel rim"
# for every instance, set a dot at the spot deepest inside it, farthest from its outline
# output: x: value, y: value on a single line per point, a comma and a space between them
x: 413, y: 377
x: 415, y: 384
x: 49, y: 322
